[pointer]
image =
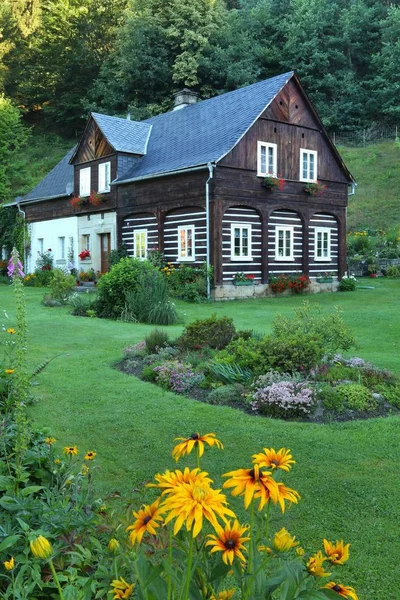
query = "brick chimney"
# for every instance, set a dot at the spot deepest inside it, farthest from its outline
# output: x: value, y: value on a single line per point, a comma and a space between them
x: 184, y: 98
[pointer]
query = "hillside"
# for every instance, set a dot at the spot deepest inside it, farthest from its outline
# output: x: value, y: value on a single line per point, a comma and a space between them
x: 375, y: 205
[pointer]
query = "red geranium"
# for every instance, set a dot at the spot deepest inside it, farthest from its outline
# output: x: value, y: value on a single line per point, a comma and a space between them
x: 84, y: 254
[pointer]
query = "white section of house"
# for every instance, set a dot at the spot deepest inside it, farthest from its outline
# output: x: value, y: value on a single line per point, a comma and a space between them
x: 61, y: 235
x: 91, y: 228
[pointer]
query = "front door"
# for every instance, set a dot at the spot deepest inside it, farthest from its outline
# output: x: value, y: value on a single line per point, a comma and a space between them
x: 105, y: 244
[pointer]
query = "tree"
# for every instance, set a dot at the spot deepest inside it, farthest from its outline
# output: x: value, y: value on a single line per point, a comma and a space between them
x: 13, y: 136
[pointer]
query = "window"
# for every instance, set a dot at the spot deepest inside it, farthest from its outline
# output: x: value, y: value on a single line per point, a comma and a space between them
x: 86, y: 242
x: 284, y: 243
x: 84, y: 182
x: 186, y: 242
x: 40, y: 245
x: 322, y: 244
x: 308, y: 165
x: 240, y: 242
x: 266, y: 159
x: 140, y: 243
x: 104, y: 177
x: 61, y: 247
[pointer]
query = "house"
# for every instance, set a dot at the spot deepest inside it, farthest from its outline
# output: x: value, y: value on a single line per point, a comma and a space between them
x: 191, y: 183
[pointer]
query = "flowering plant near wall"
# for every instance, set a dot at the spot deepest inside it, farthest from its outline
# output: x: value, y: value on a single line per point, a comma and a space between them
x: 271, y: 183
x: 95, y: 199
x: 76, y: 201
x: 84, y: 254
x: 315, y: 189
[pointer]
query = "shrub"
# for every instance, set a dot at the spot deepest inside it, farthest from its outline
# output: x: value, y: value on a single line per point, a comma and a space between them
x: 42, y: 278
x: 177, y: 376
x: 331, y: 399
x: 187, y: 283
x: 227, y: 395
x: 148, y: 372
x: 61, y: 285
x: 82, y: 303
x: 247, y: 354
x: 297, y: 352
x: 213, y: 332
x: 155, y: 340
x: 230, y: 373
x: 116, y: 255
x: 393, y: 271
x: 356, y: 397
x: 284, y: 399
x: 391, y: 394
x: 347, y: 284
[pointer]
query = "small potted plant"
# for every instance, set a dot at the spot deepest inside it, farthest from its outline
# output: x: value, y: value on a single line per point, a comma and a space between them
x: 241, y: 278
x: 314, y: 189
x: 270, y: 183
x: 325, y: 278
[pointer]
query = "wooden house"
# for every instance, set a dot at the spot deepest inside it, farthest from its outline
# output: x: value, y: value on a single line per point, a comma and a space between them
x: 191, y: 183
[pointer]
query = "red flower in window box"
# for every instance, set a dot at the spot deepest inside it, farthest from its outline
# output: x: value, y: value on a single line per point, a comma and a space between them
x: 84, y: 254
x: 250, y: 276
x: 76, y: 201
x: 95, y: 199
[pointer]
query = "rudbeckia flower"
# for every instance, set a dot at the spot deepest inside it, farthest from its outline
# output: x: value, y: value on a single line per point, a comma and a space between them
x: 11, y: 330
x: 337, y: 553
x: 315, y: 565
x: 50, y: 440
x: 343, y: 590
x: 252, y: 483
x: 121, y: 589
x: 171, y: 479
x: 90, y: 455
x: 70, y: 450
x: 285, y: 493
x: 9, y: 564
x: 41, y: 547
x: 146, y: 520
x: 229, y: 541
x: 189, y: 503
x: 283, y: 541
x: 274, y: 460
x: 195, y: 441
x: 9, y: 371
x: 224, y: 595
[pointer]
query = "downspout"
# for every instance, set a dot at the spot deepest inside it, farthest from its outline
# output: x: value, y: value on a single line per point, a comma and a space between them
x: 211, y: 172
x: 24, y: 216
x: 353, y: 189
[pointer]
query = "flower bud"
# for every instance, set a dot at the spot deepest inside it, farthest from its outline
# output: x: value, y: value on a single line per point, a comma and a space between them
x: 113, y: 545
x: 41, y: 547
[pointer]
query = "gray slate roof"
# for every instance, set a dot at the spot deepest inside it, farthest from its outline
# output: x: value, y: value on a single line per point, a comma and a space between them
x: 203, y: 132
x: 55, y: 183
x: 124, y: 135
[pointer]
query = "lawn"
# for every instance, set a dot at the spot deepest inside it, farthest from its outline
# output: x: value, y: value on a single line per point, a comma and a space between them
x: 347, y: 473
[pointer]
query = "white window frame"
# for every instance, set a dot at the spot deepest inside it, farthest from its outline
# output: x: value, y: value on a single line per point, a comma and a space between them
x: 86, y: 241
x: 267, y: 146
x: 136, y: 254
x: 61, y: 247
x: 104, y: 177
x: 304, y: 151
x: 186, y: 258
x: 41, y: 245
x: 284, y: 228
x: 84, y: 181
x: 242, y: 227
x: 322, y: 231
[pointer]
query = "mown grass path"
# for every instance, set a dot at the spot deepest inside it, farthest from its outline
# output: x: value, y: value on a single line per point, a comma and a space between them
x: 346, y: 473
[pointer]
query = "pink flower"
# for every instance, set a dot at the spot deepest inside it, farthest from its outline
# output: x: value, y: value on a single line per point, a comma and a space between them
x: 11, y: 269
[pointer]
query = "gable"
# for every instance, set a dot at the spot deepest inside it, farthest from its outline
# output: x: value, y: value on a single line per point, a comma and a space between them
x: 93, y: 144
x: 291, y: 106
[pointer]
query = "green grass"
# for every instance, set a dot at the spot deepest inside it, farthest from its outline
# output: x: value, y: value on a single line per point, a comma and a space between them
x: 346, y: 473
x: 375, y: 204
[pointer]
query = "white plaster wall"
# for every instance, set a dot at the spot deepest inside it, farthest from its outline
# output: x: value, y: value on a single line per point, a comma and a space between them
x: 97, y: 224
x: 50, y: 231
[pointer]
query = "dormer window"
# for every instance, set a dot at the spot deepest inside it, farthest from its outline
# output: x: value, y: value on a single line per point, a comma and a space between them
x: 267, y: 159
x: 84, y: 182
x: 308, y: 165
x: 104, y: 177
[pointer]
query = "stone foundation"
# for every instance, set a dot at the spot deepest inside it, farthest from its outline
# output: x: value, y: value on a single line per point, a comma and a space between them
x: 233, y: 292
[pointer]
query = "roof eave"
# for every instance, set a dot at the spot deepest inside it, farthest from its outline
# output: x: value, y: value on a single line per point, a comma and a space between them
x: 33, y: 200
x: 161, y: 174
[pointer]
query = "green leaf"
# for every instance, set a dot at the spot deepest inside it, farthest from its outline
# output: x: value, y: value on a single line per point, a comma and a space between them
x: 8, y: 542
x: 322, y: 594
x: 5, y: 482
x: 31, y: 489
x: 24, y: 526
x: 219, y: 571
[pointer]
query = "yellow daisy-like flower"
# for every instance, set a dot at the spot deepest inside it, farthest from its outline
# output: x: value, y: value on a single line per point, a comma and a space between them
x: 121, y: 589
x: 285, y: 493
x: 57, y: 461
x: 11, y: 330
x: 300, y: 551
x: 337, y: 553
x: 70, y: 450
x: 50, y: 440
x: 9, y: 564
x: 283, y: 541
x: 224, y: 595
x: 190, y: 502
x: 90, y: 455
x: 171, y: 479
x: 194, y: 441
x: 343, y: 590
x: 229, y: 541
x: 9, y: 371
x: 113, y: 545
x: 146, y: 520
x: 274, y: 460
x: 41, y: 547
x: 252, y: 483
x: 315, y: 565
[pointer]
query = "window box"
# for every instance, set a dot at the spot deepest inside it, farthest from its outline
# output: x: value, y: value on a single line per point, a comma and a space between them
x: 314, y: 189
x: 248, y: 282
x: 324, y: 279
x: 270, y: 183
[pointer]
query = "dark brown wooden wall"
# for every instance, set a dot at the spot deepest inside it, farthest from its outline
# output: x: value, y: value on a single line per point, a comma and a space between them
x: 93, y: 144
x: 94, y: 175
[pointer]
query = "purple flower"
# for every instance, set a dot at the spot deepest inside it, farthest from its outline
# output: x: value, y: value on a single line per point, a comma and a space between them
x: 11, y: 268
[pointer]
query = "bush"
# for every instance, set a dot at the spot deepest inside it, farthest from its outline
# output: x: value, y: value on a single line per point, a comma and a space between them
x: 393, y: 271
x: 331, y: 399
x: 155, y: 340
x: 347, y: 284
x: 116, y: 255
x: 391, y: 394
x: 149, y: 302
x: 42, y: 278
x: 356, y: 397
x: 148, y: 372
x: 82, y: 304
x: 176, y: 376
x: 247, y: 354
x: 213, y: 332
x: 61, y: 285
x: 227, y: 395
x: 187, y: 283
x: 298, y: 352
x: 285, y: 399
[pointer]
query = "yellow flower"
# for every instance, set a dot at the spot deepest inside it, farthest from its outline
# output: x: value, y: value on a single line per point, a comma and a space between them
x: 274, y: 460
x: 195, y: 440
x: 300, y: 551
x: 283, y: 541
x: 50, y: 440
x: 190, y: 502
x: 146, y: 520
x: 90, y: 455
x: 224, y: 595
x: 71, y: 450
x: 315, y: 565
x: 9, y: 371
x: 343, y: 590
x: 85, y: 470
x: 57, y: 461
x: 113, y: 545
x: 171, y: 479
x: 11, y: 330
x: 121, y: 589
x: 252, y: 482
x: 41, y: 547
x: 9, y: 564
x: 337, y: 553
x: 229, y: 541
x: 285, y: 493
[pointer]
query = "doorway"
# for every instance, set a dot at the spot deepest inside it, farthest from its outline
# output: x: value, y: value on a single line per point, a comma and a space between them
x: 105, y: 246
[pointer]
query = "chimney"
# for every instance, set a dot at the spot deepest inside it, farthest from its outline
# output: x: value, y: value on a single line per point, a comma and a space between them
x: 184, y: 98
